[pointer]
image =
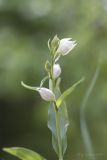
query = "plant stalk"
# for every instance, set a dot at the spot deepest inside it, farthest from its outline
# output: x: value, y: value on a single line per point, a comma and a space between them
x: 58, y: 132
x: 56, y: 115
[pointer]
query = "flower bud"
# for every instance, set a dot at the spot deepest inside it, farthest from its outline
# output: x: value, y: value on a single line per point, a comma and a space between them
x: 54, y: 44
x: 56, y: 71
x: 46, y: 94
x: 65, y: 46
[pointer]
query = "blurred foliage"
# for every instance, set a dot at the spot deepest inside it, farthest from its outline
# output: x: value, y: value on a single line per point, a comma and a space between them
x: 25, y: 27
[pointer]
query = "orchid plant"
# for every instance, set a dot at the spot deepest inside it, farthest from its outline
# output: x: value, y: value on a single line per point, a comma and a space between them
x: 57, y: 112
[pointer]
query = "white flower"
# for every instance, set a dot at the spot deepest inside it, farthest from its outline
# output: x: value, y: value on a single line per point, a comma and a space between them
x: 56, y: 70
x: 46, y: 94
x: 66, y: 45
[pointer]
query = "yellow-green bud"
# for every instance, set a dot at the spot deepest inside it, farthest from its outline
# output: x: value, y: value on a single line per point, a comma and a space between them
x: 54, y: 44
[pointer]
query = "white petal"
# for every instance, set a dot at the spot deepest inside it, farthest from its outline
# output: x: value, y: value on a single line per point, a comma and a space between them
x: 46, y: 94
x: 69, y: 49
x: 66, y: 45
x: 56, y: 70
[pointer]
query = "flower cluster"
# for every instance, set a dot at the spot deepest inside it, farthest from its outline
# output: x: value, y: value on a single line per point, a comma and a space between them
x: 57, y: 49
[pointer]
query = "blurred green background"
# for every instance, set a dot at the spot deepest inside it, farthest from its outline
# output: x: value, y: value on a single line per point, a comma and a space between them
x: 25, y: 27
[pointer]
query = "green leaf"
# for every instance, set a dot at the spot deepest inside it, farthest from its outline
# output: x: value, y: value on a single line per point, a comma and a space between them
x: 27, y: 86
x: 23, y: 153
x: 63, y: 123
x: 67, y: 92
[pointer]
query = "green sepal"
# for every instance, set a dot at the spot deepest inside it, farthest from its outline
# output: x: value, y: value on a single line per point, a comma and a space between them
x: 23, y: 153
x: 67, y: 92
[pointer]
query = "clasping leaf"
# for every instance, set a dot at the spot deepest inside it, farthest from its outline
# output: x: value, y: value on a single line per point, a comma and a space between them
x: 67, y: 92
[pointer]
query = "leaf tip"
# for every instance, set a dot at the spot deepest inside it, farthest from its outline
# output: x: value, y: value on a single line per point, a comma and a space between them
x: 82, y: 79
x: 6, y: 149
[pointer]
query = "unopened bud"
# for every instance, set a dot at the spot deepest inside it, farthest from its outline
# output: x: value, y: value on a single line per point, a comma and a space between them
x: 46, y: 94
x: 55, y: 44
x: 56, y: 71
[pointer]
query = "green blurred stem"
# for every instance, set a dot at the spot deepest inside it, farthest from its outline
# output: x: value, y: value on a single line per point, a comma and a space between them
x: 58, y: 132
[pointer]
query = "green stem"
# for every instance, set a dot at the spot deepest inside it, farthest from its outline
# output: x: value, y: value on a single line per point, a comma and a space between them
x: 57, y: 115
x: 58, y: 132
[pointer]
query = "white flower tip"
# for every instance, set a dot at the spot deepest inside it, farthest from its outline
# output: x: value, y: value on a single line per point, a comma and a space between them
x: 66, y: 45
